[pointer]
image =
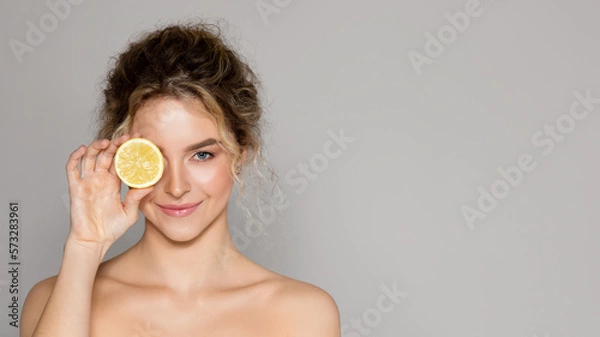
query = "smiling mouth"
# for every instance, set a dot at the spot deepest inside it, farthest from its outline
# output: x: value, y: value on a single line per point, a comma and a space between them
x: 179, y: 210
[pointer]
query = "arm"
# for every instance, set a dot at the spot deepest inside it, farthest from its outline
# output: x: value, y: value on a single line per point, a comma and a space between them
x: 34, y: 305
x: 308, y: 310
x: 61, y: 306
x: 319, y: 317
x: 98, y: 219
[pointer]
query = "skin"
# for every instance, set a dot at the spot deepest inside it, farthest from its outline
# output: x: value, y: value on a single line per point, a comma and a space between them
x: 184, y: 277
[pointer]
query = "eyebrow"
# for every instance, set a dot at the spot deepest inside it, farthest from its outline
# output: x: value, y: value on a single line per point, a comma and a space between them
x: 206, y: 142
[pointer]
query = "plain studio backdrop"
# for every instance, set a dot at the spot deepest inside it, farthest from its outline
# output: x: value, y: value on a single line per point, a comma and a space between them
x: 439, y: 159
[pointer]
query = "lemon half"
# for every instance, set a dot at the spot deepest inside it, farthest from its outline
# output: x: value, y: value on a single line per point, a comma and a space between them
x: 139, y: 163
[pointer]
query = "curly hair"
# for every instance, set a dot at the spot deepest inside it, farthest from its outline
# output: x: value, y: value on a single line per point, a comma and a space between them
x: 189, y: 61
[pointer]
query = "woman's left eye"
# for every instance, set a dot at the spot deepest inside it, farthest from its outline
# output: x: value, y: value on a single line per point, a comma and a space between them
x: 206, y: 156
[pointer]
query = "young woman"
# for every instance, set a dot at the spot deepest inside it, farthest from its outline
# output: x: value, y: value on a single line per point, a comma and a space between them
x: 185, y: 90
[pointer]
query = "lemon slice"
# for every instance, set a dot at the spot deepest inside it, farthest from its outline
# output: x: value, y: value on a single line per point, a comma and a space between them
x: 139, y: 163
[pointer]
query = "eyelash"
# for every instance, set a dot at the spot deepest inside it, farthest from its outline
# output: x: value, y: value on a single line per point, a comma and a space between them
x: 205, y: 152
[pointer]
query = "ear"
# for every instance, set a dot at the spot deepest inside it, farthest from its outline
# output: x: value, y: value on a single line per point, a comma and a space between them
x: 244, y: 153
x: 243, y: 159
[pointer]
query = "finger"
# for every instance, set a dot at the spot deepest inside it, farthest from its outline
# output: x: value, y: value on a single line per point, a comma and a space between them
x: 88, y: 163
x: 112, y: 169
x: 132, y: 200
x: 73, y: 174
x: 105, y: 158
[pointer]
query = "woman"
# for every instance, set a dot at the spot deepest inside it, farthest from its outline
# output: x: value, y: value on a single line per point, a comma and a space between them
x: 182, y: 88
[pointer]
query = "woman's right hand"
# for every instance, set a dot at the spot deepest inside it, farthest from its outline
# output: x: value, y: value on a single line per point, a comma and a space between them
x: 98, y: 217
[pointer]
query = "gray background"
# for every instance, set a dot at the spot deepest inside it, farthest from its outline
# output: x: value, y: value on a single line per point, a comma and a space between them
x: 388, y: 209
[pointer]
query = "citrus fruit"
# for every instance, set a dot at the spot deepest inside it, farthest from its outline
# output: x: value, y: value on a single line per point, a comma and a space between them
x: 139, y: 163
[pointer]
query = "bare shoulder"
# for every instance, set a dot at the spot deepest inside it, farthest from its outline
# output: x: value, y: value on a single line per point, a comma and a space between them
x: 34, y: 305
x: 305, y: 309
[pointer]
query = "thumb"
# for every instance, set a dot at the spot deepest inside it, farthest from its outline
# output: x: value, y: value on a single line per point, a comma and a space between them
x: 133, y: 198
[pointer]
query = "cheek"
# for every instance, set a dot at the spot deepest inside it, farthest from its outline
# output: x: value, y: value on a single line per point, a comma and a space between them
x: 211, y: 177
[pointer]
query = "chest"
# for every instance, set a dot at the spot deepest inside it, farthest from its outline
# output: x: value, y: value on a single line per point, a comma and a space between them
x: 144, y: 314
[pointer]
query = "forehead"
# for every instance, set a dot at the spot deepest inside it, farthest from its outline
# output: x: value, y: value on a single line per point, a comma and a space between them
x: 171, y: 117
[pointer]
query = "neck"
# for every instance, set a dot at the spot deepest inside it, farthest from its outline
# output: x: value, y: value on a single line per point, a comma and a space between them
x: 203, y: 263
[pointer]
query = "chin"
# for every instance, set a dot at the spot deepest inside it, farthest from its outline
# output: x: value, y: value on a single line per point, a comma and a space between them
x: 181, y: 234
x: 175, y: 229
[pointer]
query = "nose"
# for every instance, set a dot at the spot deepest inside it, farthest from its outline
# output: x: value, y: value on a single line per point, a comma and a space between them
x: 176, y: 180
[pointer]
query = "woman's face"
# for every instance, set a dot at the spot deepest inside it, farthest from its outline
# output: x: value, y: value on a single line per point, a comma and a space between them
x: 194, y: 174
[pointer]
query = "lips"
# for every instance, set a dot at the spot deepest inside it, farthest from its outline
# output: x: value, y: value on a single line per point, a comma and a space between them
x: 180, y: 210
